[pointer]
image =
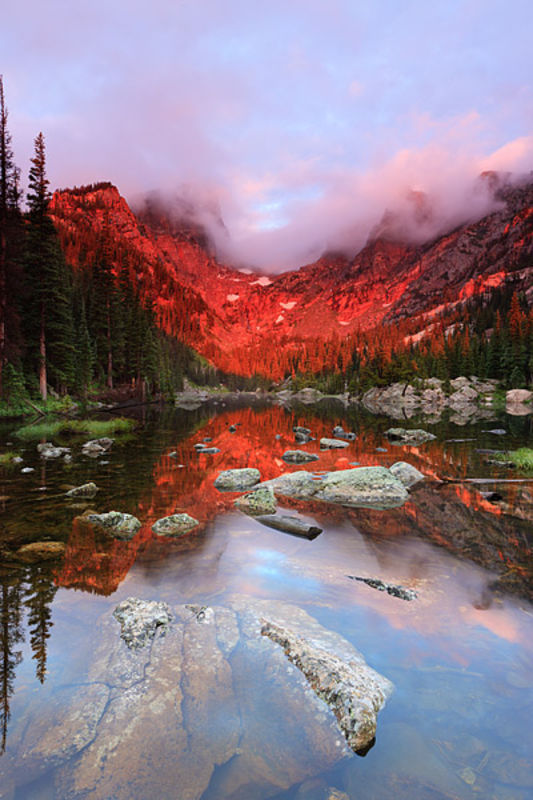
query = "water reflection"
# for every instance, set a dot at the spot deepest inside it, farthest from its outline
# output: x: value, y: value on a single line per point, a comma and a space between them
x: 461, y: 649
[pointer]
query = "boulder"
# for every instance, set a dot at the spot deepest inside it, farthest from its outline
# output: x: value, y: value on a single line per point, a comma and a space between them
x: 362, y: 487
x: 235, y: 480
x: 518, y: 396
x: 261, y: 501
x: 85, y: 490
x: 49, y: 450
x: 114, y: 523
x: 354, y: 691
x: 41, y: 551
x: 302, y: 430
x: 95, y: 447
x: 406, y: 473
x: 140, y: 620
x: 307, y: 395
x: 174, y: 525
x: 302, y: 438
x: 212, y: 704
x: 298, y: 456
x: 332, y: 444
x: 414, y: 437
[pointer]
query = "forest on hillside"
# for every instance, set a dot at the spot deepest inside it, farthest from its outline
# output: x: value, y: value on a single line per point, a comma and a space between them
x: 75, y: 320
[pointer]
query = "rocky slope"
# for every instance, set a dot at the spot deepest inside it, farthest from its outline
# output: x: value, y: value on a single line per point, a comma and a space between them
x: 224, y: 312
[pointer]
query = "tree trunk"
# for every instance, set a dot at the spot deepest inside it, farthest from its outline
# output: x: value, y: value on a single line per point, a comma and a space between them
x: 42, y: 357
x: 2, y: 307
x: 109, y: 352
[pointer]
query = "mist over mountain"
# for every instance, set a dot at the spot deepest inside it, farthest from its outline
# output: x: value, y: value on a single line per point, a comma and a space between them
x: 342, y: 224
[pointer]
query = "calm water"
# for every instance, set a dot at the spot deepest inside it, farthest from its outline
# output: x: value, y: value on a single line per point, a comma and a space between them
x: 212, y: 720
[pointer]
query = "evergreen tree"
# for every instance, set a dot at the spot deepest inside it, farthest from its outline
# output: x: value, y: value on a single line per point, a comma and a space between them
x: 10, y: 240
x: 50, y: 328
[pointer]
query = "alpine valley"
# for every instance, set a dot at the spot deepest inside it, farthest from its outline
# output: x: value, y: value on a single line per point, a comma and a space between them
x: 311, y: 319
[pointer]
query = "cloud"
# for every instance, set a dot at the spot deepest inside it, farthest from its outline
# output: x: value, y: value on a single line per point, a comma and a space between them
x: 300, y: 123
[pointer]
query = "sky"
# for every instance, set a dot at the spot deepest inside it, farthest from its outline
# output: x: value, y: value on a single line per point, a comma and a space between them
x: 298, y: 122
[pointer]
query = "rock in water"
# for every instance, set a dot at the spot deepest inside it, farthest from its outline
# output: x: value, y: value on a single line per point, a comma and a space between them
x: 262, y: 501
x: 97, y: 446
x: 362, y: 487
x: 415, y: 436
x: 115, y: 523
x: 174, y: 525
x: 406, y: 473
x: 48, y: 450
x: 86, y: 490
x: 140, y: 620
x: 332, y: 444
x: 353, y: 690
x: 41, y: 551
x: 292, y: 525
x: 298, y: 456
x: 391, y: 588
x: 234, y: 480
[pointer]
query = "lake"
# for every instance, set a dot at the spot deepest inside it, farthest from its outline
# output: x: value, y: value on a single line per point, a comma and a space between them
x: 213, y: 712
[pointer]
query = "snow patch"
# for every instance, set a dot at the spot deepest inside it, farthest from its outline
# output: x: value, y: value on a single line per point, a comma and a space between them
x: 280, y: 319
x: 246, y: 271
x: 232, y: 297
x: 288, y: 306
x: 262, y: 281
x: 343, y: 323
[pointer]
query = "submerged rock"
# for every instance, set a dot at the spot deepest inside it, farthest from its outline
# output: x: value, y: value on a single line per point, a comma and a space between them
x: 233, y: 480
x: 212, y: 704
x: 332, y: 444
x: 354, y: 691
x: 292, y: 525
x: 86, y: 490
x: 391, y: 588
x: 140, y: 620
x: 115, y: 523
x: 49, y: 450
x: 415, y: 436
x: 406, y: 473
x: 41, y: 551
x: 261, y: 501
x: 174, y: 525
x: 298, y: 456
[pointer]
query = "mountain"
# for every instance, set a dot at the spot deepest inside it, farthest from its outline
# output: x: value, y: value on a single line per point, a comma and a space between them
x: 245, y: 323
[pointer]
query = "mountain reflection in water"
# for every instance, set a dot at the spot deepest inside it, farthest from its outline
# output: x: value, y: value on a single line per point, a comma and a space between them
x: 463, y: 644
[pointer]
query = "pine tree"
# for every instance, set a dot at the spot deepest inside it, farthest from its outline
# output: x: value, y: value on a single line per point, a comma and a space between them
x: 50, y: 318
x: 10, y: 238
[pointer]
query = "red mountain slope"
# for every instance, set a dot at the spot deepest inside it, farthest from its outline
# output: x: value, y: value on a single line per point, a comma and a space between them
x: 238, y: 320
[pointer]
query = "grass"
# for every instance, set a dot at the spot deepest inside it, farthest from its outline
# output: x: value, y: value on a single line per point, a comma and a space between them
x: 90, y: 427
x: 6, y: 458
x: 523, y: 458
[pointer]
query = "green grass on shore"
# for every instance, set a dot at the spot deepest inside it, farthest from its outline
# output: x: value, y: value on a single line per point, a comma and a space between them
x: 6, y: 459
x: 95, y: 428
x: 523, y: 458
